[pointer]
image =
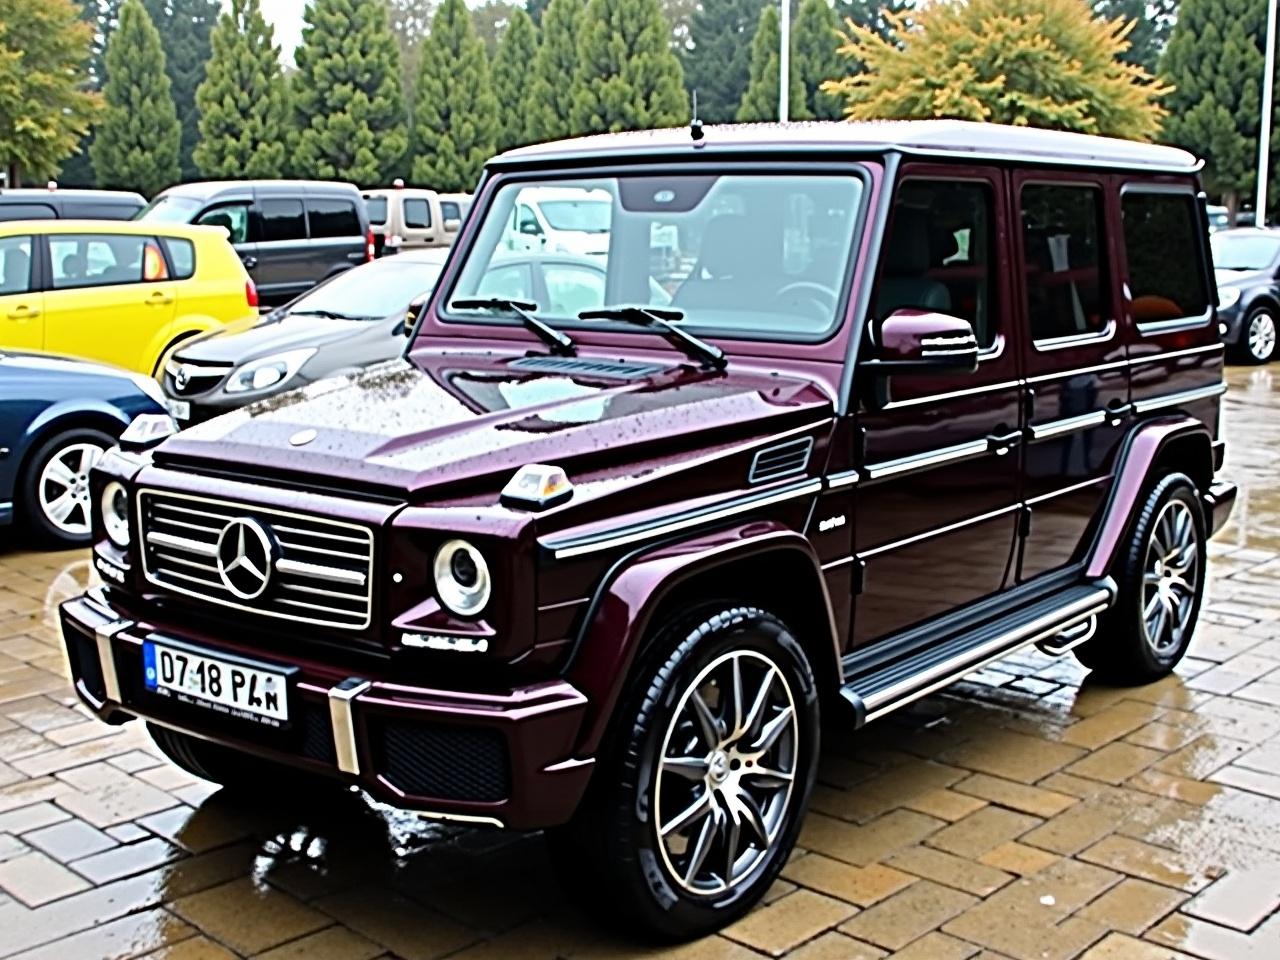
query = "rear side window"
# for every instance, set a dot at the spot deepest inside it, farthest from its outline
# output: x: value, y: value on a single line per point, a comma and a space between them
x: 232, y: 217
x: 1165, y: 253
x: 1066, y: 278
x: 93, y: 260
x: 417, y: 213
x: 88, y: 210
x: 376, y: 209
x: 283, y: 220
x: 333, y: 218
x: 182, y: 254
x: 26, y: 211
x: 450, y: 210
x: 15, y: 265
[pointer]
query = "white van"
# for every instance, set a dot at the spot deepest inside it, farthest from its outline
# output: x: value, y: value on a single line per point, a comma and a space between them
x: 561, y: 220
x: 408, y: 217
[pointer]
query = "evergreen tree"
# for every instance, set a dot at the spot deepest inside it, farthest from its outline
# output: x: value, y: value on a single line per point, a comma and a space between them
x: 185, y: 26
x: 135, y: 147
x: 348, y: 107
x: 760, y: 101
x: 244, y: 113
x: 102, y: 17
x: 535, y: 9
x: 1152, y: 21
x: 874, y: 14
x: 550, y: 103
x: 815, y: 40
x: 44, y: 108
x: 1214, y: 62
x: 491, y: 20
x: 718, y: 59
x: 627, y: 78
x: 516, y: 52
x: 1039, y: 63
x: 457, y: 112
x: 410, y: 22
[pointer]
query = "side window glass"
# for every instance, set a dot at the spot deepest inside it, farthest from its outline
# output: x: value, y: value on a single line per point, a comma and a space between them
x: 1165, y: 256
x: 940, y: 253
x: 450, y: 210
x: 26, y: 211
x: 182, y: 253
x: 332, y: 218
x: 91, y: 260
x: 15, y: 265
x: 572, y: 289
x: 376, y: 208
x: 233, y: 218
x: 417, y: 213
x: 283, y: 220
x: 511, y: 281
x: 1066, y: 281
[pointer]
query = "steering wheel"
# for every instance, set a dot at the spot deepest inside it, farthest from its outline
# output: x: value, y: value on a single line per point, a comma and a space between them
x: 816, y: 295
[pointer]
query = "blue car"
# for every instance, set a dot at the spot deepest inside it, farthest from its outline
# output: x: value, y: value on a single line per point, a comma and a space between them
x: 56, y: 418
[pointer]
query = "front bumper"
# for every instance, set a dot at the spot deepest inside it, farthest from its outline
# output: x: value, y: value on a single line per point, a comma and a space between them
x: 1230, y: 321
x: 504, y: 759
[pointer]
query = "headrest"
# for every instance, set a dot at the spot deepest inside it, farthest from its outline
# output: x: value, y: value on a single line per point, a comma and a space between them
x: 907, y: 252
x: 726, y: 246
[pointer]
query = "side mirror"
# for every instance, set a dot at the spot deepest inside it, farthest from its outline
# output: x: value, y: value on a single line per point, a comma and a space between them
x: 452, y: 226
x: 411, y: 315
x: 919, y: 341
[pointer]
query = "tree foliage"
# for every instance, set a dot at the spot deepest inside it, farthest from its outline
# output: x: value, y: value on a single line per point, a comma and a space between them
x: 348, y: 105
x: 491, y: 20
x: 244, y: 113
x: 717, y: 62
x: 410, y: 22
x: 760, y: 101
x: 185, y: 26
x: 516, y: 52
x: 627, y: 78
x: 1040, y: 63
x: 550, y: 103
x: 44, y: 106
x: 456, y: 120
x: 815, y: 40
x: 135, y: 147
x: 1153, y: 22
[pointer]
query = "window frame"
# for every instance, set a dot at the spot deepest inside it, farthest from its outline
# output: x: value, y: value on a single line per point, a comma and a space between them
x: 50, y: 285
x: 260, y: 212
x: 307, y: 203
x: 35, y: 266
x: 404, y: 213
x: 1152, y: 328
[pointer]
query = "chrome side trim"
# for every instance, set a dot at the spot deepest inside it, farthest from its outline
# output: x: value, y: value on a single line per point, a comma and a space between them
x: 1056, y: 428
x: 832, y: 564
x: 922, y: 461
x: 1154, y: 328
x: 344, y: 728
x: 846, y: 478
x: 1147, y: 404
x: 460, y: 818
x: 1076, y: 339
x: 104, y: 634
x: 1068, y: 374
x: 954, y: 394
x: 1062, y: 491
x: 949, y: 528
x: 1174, y: 354
x: 573, y: 546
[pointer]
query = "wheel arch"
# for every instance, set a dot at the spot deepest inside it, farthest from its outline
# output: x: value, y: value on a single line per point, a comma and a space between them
x: 58, y: 419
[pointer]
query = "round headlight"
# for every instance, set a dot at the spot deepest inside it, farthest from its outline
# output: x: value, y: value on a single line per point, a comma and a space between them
x: 462, y: 578
x: 115, y: 512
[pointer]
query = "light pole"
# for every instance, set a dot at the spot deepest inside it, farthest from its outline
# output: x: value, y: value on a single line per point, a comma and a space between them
x: 1264, y: 137
x: 784, y: 60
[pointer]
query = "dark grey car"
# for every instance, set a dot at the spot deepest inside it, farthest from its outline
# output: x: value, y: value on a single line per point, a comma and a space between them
x: 348, y: 322
x: 290, y: 234
x: 32, y: 203
x: 1246, y: 262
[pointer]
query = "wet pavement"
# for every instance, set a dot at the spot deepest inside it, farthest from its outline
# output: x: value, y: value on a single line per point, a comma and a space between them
x: 1024, y: 813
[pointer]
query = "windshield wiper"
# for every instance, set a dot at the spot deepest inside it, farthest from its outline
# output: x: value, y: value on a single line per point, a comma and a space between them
x: 327, y: 314
x: 560, y: 343
x: 661, y: 320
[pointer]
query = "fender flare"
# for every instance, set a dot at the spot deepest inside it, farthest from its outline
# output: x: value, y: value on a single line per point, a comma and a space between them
x: 623, y: 607
x: 1138, y: 456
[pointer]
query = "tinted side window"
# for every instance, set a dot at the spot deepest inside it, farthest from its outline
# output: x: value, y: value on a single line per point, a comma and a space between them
x: 182, y: 254
x: 91, y: 260
x: 376, y: 210
x: 450, y: 210
x: 232, y: 217
x: 1165, y: 256
x: 1066, y: 278
x: 417, y: 213
x: 26, y: 211
x: 333, y: 218
x: 283, y: 220
x: 15, y: 265
x: 89, y: 210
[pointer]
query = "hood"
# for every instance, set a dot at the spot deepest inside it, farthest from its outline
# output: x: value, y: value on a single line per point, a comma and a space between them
x: 470, y: 420
x: 1240, y: 278
x: 273, y: 334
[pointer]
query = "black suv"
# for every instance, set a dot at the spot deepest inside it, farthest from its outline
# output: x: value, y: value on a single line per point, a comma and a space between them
x: 33, y: 203
x: 290, y: 234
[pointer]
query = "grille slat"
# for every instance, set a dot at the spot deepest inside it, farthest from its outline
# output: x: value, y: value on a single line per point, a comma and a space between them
x: 327, y: 562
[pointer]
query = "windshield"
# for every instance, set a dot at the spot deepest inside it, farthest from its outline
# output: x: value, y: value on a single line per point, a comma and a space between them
x: 1244, y: 252
x: 170, y: 210
x: 371, y: 292
x: 588, y: 216
x: 745, y: 255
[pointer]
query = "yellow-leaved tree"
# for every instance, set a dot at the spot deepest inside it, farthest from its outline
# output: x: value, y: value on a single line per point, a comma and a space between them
x: 1038, y: 63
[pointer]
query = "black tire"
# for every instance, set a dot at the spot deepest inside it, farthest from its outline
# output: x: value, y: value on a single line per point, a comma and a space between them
x: 42, y: 525
x: 1127, y: 650
x: 611, y: 856
x: 1262, y: 349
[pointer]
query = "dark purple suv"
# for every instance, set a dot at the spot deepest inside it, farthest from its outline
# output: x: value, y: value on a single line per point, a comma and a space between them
x: 848, y: 411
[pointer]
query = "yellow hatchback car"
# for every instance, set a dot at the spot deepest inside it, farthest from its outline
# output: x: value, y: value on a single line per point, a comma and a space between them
x: 122, y: 293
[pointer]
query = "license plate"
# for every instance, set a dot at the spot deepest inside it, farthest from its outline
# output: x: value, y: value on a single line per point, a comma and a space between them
x: 179, y: 409
x: 225, y: 685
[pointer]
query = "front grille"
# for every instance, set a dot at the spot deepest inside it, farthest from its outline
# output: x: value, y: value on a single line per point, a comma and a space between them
x: 321, y: 575
x: 443, y: 762
x: 185, y: 378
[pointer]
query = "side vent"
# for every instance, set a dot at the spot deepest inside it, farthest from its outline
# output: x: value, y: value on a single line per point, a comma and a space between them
x: 575, y: 366
x: 781, y: 460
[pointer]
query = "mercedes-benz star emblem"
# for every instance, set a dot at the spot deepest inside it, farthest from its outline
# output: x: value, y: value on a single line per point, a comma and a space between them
x: 246, y: 557
x: 302, y: 437
x: 182, y: 377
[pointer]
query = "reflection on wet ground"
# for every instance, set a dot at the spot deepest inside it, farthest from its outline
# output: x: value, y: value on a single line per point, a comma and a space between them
x: 1025, y: 813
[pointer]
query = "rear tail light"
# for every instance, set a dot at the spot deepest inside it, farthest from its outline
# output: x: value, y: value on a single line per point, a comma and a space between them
x: 251, y: 293
x: 370, y: 249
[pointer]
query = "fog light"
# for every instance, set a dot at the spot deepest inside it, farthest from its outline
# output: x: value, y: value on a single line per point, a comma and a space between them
x: 114, y: 503
x: 462, y: 578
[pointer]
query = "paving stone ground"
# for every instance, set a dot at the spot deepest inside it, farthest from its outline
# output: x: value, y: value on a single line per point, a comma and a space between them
x: 1025, y: 813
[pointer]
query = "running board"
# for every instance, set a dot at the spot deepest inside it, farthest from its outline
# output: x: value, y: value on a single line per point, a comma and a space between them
x: 1061, y: 621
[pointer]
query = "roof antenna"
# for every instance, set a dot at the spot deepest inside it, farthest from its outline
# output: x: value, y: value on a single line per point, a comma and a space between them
x: 695, y: 125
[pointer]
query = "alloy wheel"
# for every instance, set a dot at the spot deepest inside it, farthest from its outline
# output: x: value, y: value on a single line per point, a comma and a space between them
x: 1171, y: 578
x: 726, y: 773
x: 64, y: 488
x: 1262, y: 335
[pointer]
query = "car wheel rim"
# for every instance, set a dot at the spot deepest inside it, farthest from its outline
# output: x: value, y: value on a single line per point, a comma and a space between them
x: 1171, y: 578
x: 726, y: 773
x: 64, y: 488
x: 1262, y: 336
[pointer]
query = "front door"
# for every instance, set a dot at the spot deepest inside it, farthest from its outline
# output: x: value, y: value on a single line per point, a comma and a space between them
x: 21, y: 303
x: 938, y: 497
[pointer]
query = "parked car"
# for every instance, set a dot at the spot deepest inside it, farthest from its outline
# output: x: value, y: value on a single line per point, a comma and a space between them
x: 115, y: 291
x: 57, y: 416
x: 69, y: 204
x: 555, y: 219
x: 1246, y: 263
x: 455, y: 207
x: 1219, y: 218
x: 608, y: 572
x: 348, y: 322
x: 290, y: 234
x: 410, y: 217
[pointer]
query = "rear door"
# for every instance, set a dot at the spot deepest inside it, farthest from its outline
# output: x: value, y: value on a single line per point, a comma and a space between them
x: 337, y: 240
x: 287, y: 265
x: 21, y: 303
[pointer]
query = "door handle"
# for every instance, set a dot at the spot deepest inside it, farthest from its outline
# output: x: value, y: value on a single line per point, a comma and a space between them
x: 1117, y: 411
x: 355, y: 256
x: 158, y: 299
x: 1002, y: 440
x: 23, y: 312
x: 249, y: 262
